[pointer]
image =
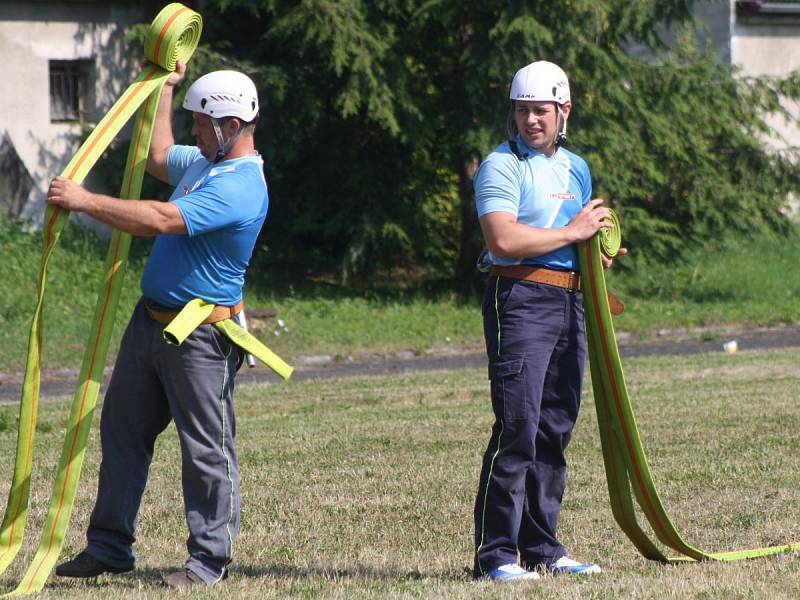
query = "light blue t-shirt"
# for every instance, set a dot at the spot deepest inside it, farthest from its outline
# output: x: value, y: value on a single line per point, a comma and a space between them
x: 223, y: 206
x: 540, y: 191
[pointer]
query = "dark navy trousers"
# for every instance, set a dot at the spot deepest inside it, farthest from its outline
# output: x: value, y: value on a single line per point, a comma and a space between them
x: 536, y: 348
x: 154, y: 383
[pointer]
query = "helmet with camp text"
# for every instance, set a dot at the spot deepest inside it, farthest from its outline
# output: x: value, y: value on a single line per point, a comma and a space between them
x: 541, y: 81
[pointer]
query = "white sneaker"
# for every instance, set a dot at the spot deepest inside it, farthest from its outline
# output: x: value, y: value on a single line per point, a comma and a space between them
x: 511, y: 572
x: 569, y: 566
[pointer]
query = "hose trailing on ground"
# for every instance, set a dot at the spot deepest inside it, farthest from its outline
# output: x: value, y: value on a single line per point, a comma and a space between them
x: 627, y: 469
x: 173, y: 36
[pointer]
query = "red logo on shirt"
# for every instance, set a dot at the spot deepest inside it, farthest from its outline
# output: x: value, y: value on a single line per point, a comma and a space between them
x: 185, y: 189
x: 563, y: 196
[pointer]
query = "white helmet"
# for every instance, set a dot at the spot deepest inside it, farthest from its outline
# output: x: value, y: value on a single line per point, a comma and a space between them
x: 223, y: 94
x: 541, y: 81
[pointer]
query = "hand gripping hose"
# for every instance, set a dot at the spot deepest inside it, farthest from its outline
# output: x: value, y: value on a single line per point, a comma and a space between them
x: 623, y: 455
x: 173, y: 36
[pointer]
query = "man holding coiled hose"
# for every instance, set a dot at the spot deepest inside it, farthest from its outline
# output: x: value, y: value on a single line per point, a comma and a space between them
x: 534, y: 203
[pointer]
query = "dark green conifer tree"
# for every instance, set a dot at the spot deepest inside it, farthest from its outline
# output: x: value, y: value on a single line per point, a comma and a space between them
x: 376, y: 113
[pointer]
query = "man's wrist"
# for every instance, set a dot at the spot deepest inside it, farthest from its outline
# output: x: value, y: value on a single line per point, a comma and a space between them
x: 91, y: 201
x: 569, y: 235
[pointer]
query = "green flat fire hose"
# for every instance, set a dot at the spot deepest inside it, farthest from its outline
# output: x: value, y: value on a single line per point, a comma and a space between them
x: 173, y: 36
x: 627, y: 468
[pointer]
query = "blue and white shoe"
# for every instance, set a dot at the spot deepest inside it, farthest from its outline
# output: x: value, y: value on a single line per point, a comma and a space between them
x: 566, y: 565
x: 511, y: 572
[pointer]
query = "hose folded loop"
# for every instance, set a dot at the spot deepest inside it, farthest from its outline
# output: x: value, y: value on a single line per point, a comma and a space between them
x: 627, y: 469
x: 195, y: 312
x: 173, y: 36
x: 610, y: 238
x: 186, y: 321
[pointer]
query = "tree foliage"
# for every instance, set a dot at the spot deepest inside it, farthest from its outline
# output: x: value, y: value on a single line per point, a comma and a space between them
x: 376, y: 113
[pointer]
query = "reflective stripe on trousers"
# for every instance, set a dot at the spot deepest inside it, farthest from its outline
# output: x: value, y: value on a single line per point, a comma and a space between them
x: 535, y: 343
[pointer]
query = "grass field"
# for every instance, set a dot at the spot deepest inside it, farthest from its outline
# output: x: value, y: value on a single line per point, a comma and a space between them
x: 742, y: 282
x: 363, y: 488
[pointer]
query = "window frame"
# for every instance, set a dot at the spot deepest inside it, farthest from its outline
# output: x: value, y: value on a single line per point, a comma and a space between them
x: 69, y: 89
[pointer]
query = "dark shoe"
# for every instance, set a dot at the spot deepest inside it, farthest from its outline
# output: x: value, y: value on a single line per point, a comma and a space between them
x: 183, y: 579
x: 85, y: 565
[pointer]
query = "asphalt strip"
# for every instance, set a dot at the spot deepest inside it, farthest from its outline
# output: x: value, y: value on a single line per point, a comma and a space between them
x: 63, y: 382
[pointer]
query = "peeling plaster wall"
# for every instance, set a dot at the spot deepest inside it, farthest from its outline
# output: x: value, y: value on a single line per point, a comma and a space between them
x: 32, y: 33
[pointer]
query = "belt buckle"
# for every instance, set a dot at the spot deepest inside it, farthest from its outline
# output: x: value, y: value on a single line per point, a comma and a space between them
x: 574, y: 281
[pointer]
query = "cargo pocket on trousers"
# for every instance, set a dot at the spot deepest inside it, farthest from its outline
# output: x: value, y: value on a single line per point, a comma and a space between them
x: 509, y: 389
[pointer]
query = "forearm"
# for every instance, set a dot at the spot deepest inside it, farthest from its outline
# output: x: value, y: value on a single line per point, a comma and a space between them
x: 163, y: 138
x: 507, y: 238
x: 516, y: 240
x: 142, y: 217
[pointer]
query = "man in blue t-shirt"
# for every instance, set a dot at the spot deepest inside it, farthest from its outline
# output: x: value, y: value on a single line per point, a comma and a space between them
x: 204, y: 238
x: 534, y: 203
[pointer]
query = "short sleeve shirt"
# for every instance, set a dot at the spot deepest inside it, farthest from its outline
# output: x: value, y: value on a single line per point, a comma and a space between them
x: 223, y: 206
x: 539, y: 191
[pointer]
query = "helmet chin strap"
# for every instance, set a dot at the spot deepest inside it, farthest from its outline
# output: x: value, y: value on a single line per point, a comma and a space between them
x: 561, y: 136
x: 224, y: 148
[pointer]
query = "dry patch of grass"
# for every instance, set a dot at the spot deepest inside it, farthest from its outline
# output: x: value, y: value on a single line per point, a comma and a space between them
x: 363, y: 488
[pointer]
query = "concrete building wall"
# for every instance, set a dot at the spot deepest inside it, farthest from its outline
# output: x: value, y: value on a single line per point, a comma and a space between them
x: 34, y: 32
x: 769, y: 45
x: 765, y: 41
x: 761, y: 39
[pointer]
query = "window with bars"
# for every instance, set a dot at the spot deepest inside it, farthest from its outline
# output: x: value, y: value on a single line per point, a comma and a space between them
x: 69, y: 85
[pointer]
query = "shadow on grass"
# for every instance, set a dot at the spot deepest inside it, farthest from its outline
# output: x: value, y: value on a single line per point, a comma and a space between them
x: 152, y: 577
x: 357, y: 572
x: 132, y: 580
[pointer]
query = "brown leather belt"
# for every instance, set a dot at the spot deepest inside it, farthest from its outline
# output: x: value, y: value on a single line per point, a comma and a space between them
x: 564, y: 279
x: 568, y: 280
x: 219, y: 313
